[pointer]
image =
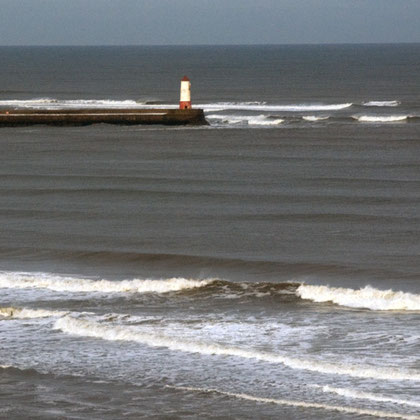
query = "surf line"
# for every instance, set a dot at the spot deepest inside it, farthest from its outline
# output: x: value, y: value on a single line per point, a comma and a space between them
x: 355, y: 394
x: 301, y: 404
x: 78, y: 327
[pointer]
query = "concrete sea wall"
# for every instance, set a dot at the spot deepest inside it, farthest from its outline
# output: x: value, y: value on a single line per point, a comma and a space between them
x: 79, y: 117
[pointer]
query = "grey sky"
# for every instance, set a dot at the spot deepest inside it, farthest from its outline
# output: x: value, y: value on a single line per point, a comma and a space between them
x: 143, y: 22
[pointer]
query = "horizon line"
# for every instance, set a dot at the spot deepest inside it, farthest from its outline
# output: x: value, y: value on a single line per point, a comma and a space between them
x: 214, y: 45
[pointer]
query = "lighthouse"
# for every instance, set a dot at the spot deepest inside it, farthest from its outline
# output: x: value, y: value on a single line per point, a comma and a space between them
x: 185, y: 99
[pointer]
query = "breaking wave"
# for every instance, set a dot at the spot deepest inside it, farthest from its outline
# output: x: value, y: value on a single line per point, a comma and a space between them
x: 367, y: 297
x: 352, y: 393
x: 382, y: 103
x: 5, y: 367
x: 51, y: 103
x: 246, y: 106
x: 261, y: 120
x: 87, y: 328
x: 301, y: 404
x: 245, y: 119
x: 71, y: 284
x: 22, y: 313
x: 315, y: 118
x: 128, y: 103
x: 273, y: 120
x: 381, y: 118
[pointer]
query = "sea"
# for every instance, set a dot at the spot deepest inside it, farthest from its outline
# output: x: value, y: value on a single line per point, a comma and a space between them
x: 265, y: 266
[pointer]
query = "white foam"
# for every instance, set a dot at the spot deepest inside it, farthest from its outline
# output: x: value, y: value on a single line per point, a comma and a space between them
x: 381, y: 118
x: 72, y: 284
x: 368, y: 297
x: 352, y: 393
x: 229, y: 119
x: 261, y: 120
x: 51, y: 103
x: 87, y: 328
x: 245, y: 119
x: 302, y: 404
x: 22, y: 313
x: 264, y: 107
x: 220, y: 116
x: 382, y: 103
x: 314, y: 118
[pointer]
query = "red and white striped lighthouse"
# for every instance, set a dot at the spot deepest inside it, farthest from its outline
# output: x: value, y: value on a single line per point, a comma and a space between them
x: 185, y: 99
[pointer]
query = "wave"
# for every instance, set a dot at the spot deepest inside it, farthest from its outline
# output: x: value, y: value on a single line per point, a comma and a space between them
x: 352, y: 393
x: 87, y: 328
x: 27, y: 372
x: 228, y: 119
x: 128, y: 103
x: 314, y: 118
x: 381, y: 118
x: 72, y: 284
x: 230, y: 290
x: 367, y: 297
x: 22, y: 313
x: 382, y: 103
x: 211, y: 266
x: 246, y: 119
x: 213, y: 287
x: 301, y: 404
x: 261, y: 120
x: 241, y: 106
x: 77, y: 103
x: 272, y: 120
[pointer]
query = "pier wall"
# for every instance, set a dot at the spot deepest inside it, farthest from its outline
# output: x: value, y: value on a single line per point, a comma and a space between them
x: 80, y: 117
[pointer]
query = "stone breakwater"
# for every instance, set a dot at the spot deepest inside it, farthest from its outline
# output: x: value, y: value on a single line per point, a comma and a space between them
x: 80, y: 117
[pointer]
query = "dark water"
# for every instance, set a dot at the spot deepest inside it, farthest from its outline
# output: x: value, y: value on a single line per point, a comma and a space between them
x: 240, y: 270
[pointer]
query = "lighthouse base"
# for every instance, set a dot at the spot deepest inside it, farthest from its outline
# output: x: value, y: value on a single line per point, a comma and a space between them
x: 185, y: 105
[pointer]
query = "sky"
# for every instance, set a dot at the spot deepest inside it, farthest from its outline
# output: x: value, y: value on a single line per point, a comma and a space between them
x: 169, y: 22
